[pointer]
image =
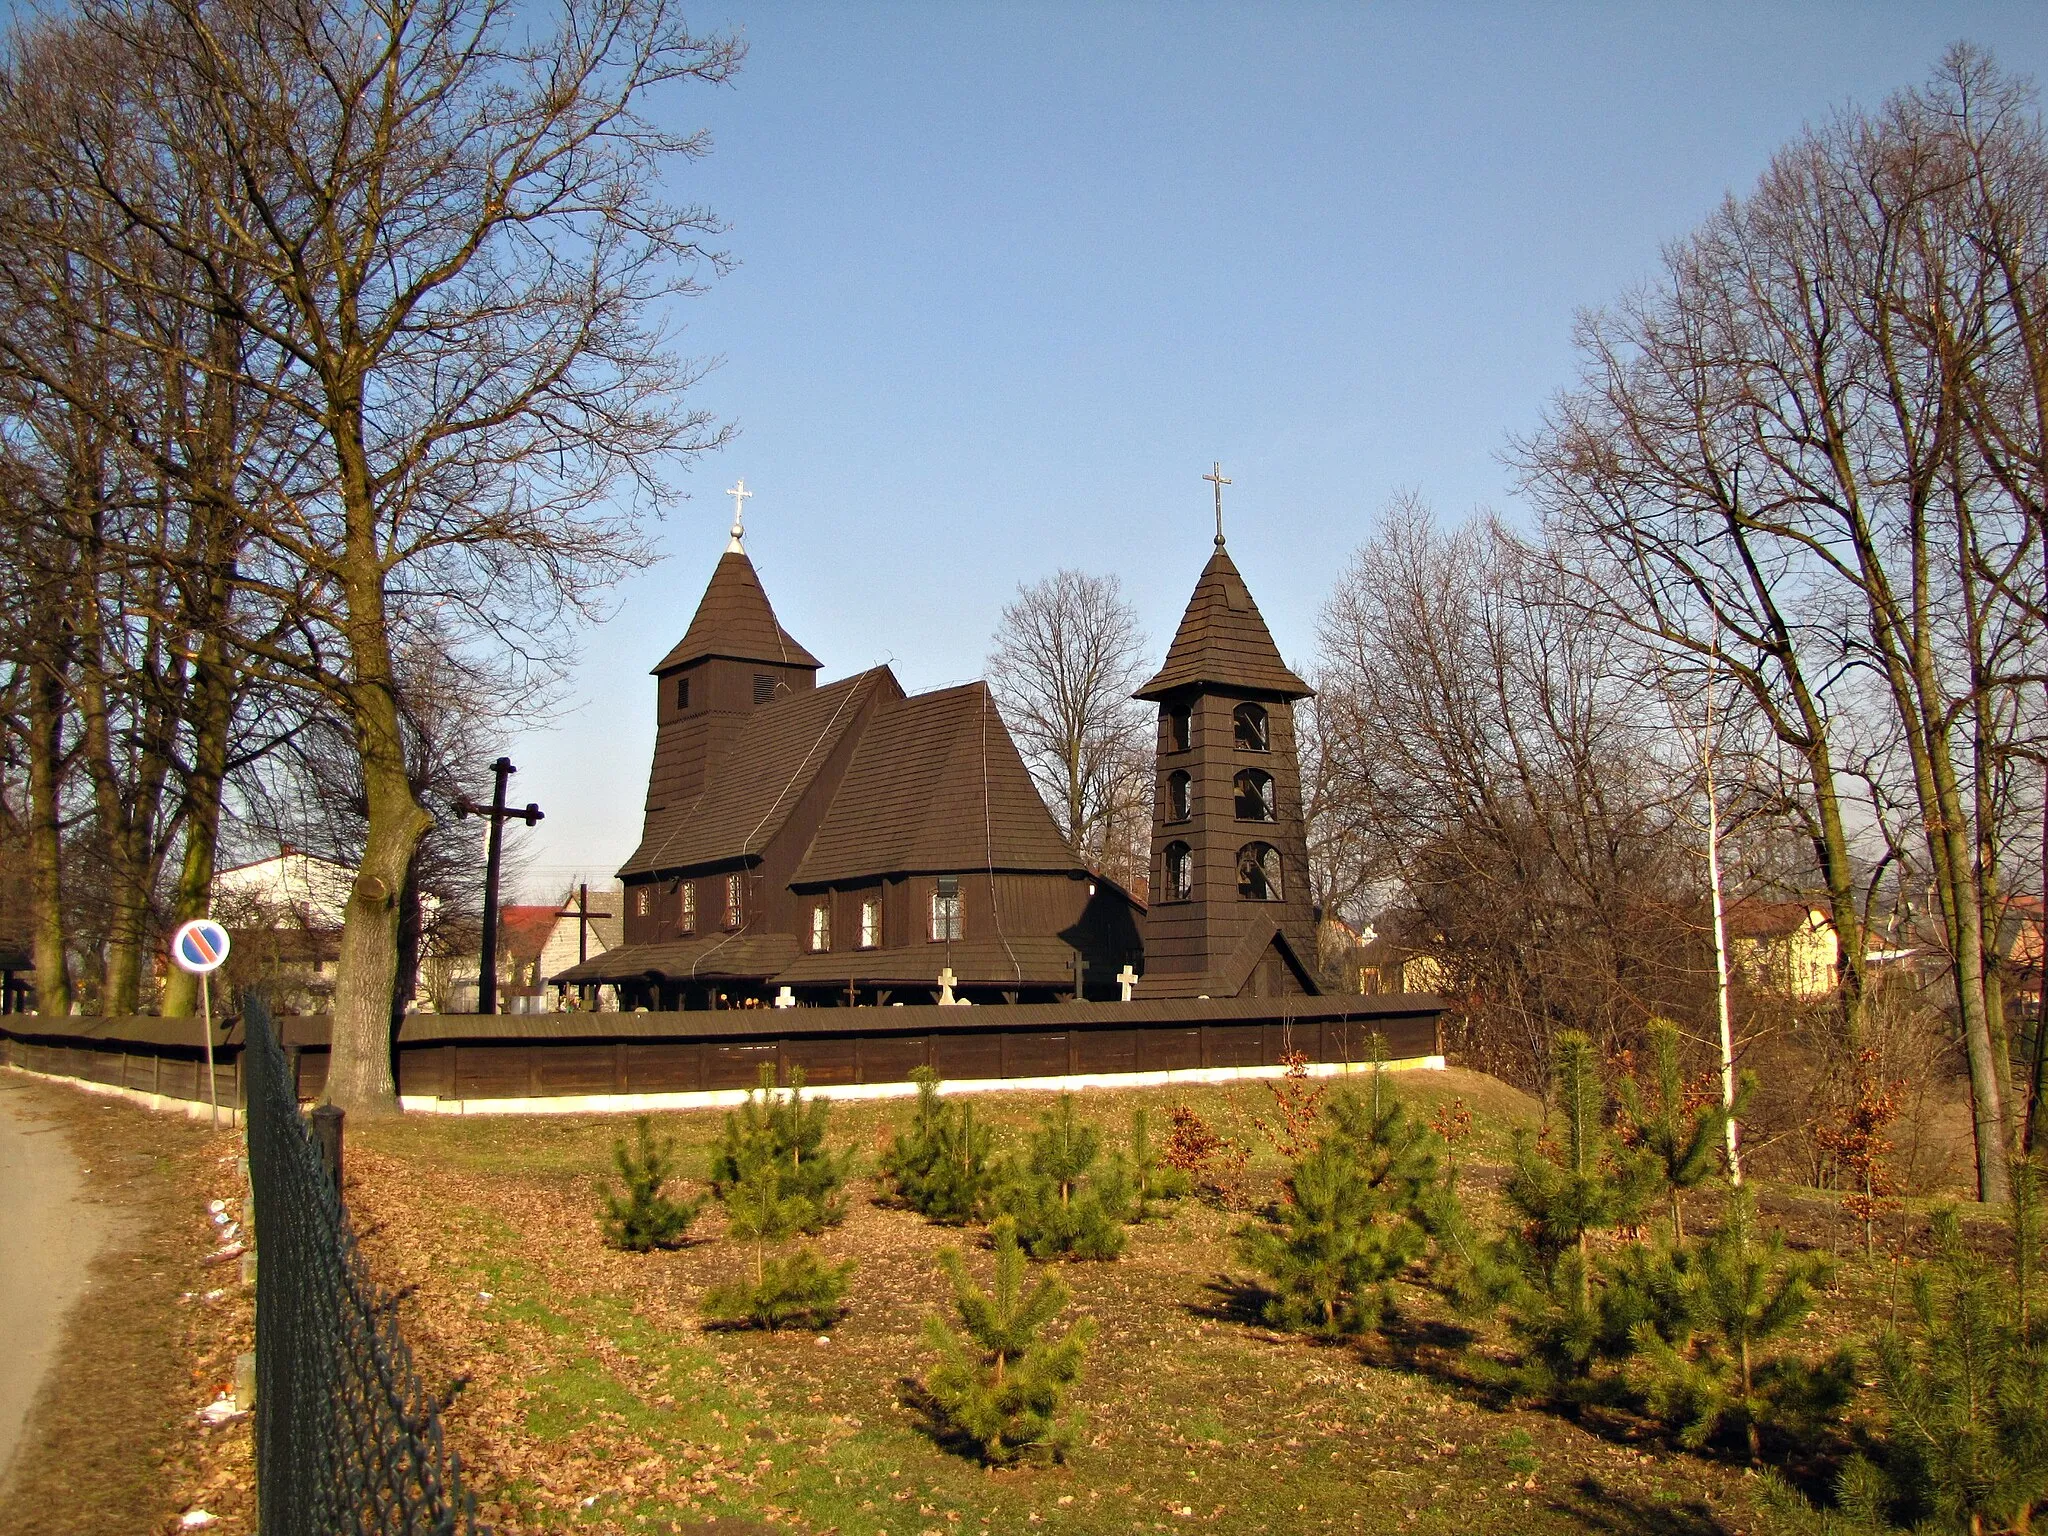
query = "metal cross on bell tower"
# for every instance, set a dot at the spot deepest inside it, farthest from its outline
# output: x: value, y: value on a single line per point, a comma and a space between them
x: 739, y: 494
x: 1217, y: 478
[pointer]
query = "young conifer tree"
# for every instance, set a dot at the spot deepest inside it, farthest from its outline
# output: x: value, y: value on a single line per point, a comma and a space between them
x: 1742, y: 1291
x: 1000, y: 1387
x: 1065, y: 1206
x: 785, y: 1131
x: 940, y: 1164
x: 643, y: 1216
x: 1565, y: 1193
x: 1966, y: 1437
x: 787, y: 1290
x: 1361, y: 1205
x: 1683, y: 1142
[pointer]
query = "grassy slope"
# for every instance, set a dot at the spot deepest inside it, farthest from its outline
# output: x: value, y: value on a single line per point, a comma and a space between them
x: 597, y: 1403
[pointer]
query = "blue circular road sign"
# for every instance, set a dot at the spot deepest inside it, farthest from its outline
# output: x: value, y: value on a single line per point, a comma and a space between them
x: 200, y: 946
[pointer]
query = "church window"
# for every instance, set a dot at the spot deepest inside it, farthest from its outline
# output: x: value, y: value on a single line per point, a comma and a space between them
x: 1177, y: 796
x: 1249, y: 722
x: 1253, y: 789
x: 764, y: 687
x: 821, y: 928
x: 871, y: 922
x: 946, y: 919
x: 1179, y: 727
x: 640, y: 902
x: 1258, y: 872
x: 1180, y: 872
x: 732, y: 901
x: 682, y: 693
x: 687, y: 923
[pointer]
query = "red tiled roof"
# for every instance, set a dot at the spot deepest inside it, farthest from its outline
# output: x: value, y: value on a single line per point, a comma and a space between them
x: 734, y: 619
x: 1222, y: 639
x: 523, y: 930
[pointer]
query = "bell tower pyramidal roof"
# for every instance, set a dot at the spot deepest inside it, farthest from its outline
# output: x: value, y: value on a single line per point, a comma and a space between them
x: 734, y: 620
x: 1222, y: 641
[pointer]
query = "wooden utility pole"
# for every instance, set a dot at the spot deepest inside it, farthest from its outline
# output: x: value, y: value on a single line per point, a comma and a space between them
x: 487, y: 969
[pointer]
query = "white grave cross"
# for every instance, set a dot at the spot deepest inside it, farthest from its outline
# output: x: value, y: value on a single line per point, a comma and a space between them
x: 1127, y: 979
x: 947, y: 981
x: 786, y: 998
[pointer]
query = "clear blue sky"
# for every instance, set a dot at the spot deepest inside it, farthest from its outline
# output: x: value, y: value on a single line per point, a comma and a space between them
x: 1012, y: 276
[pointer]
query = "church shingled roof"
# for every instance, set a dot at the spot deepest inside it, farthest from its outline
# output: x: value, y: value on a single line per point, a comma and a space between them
x: 734, y: 620
x: 1223, y: 640
x: 758, y: 781
x: 935, y: 784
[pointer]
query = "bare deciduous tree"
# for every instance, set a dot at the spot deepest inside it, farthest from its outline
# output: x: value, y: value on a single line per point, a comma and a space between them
x: 454, y: 233
x: 1063, y: 665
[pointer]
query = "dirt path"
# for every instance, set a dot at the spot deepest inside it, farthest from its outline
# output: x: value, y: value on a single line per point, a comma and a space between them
x: 52, y: 1238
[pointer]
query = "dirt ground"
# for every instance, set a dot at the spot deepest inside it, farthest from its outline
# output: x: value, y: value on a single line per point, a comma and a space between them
x: 113, y: 1444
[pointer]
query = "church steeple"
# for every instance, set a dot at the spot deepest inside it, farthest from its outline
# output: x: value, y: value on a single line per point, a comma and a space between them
x: 1229, y: 913
x: 734, y: 621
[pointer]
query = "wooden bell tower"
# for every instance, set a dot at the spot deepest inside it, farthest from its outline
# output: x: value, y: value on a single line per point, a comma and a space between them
x: 1229, y: 913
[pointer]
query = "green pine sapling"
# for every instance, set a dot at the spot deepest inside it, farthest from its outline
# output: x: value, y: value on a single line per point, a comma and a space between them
x: 1064, y: 1206
x: 1565, y: 1194
x: 785, y: 1131
x: 1681, y: 1133
x: 644, y: 1217
x: 787, y: 1290
x: 1361, y: 1204
x: 1967, y: 1432
x: 1741, y: 1291
x: 999, y: 1388
x: 940, y: 1165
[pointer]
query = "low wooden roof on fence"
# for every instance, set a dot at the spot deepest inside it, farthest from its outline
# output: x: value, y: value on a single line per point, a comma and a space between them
x: 730, y: 1023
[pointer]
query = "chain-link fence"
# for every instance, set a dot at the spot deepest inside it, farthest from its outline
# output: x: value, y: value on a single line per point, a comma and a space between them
x: 347, y: 1440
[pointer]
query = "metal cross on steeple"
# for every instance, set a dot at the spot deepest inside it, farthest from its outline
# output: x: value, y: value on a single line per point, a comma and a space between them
x: 1217, y: 478
x: 739, y: 494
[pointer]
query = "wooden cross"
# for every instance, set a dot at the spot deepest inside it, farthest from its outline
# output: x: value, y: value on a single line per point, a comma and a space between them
x: 1127, y: 979
x: 739, y: 494
x: 498, y: 812
x: 1217, y: 478
x: 947, y: 981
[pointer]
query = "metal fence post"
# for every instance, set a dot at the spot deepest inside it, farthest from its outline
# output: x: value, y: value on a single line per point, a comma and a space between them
x: 327, y: 1123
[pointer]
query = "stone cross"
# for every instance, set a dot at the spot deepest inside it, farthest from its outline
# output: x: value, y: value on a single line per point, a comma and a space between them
x: 786, y: 998
x: 739, y: 494
x: 1217, y: 478
x: 947, y: 981
x: 1127, y: 979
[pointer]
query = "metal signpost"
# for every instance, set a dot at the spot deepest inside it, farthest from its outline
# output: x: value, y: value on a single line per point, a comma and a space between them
x: 201, y: 947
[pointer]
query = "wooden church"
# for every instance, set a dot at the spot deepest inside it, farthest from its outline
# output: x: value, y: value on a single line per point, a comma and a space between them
x: 851, y: 844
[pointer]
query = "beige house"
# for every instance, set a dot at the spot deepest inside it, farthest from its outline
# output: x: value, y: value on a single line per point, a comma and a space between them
x: 1787, y: 948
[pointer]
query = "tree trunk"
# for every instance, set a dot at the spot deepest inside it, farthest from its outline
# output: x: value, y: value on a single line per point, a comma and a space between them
x: 212, y: 711
x: 46, y: 839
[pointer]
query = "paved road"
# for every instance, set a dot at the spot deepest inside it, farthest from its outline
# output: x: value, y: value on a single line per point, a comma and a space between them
x: 48, y: 1240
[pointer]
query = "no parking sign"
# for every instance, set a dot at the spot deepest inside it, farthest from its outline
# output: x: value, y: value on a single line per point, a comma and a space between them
x: 200, y: 946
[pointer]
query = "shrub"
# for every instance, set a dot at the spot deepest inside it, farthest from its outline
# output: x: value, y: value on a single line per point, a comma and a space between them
x: 1213, y: 1163
x: 642, y: 1217
x: 1064, y: 1208
x: 940, y: 1165
x: 785, y: 1131
x: 999, y: 1388
x: 1153, y: 1177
